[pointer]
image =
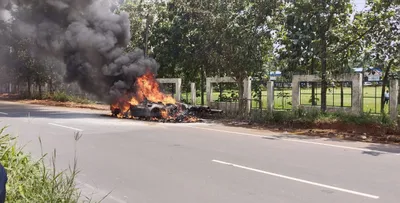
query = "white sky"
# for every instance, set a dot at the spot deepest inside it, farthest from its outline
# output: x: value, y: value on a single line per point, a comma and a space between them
x: 360, y: 4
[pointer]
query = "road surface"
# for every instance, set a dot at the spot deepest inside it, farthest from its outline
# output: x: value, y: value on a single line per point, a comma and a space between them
x: 198, y: 163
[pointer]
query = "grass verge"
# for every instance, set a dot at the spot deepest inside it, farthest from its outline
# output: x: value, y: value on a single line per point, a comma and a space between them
x: 364, y: 127
x: 311, y: 117
x: 33, y: 181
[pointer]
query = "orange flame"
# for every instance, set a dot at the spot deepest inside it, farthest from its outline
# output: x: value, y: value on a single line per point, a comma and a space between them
x: 147, y: 88
x: 164, y: 113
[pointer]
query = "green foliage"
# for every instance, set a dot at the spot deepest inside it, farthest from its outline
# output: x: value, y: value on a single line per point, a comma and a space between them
x: 365, y: 119
x: 32, y: 181
x: 232, y: 97
x: 312, y: 116
x: 198, y: 39
x: 61, y: 97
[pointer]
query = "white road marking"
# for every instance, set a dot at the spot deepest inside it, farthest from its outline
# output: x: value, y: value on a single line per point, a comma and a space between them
x: 238, y: 133
x: 299, y: 180
x: 3, y: 113
x: 340, y: 146
x: 300, y: 141
x: 63, y: 126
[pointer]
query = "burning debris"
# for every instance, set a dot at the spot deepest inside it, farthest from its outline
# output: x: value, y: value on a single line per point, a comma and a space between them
x: 146, y: 101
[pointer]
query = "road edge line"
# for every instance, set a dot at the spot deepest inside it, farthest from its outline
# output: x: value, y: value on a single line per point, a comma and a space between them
x: 63, y: 126
x: 298, y: 180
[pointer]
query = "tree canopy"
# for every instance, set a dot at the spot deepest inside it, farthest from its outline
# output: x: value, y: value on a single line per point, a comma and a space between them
x: 195, y: 39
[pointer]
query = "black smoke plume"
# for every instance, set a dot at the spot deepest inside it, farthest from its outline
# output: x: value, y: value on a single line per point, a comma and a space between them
x: 85, y: 36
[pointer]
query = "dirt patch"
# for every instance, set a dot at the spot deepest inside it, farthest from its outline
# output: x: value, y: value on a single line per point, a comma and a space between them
x: 9, y: 97
x: 66, y: 104
x: 16, y: 98
x: 338, y: 130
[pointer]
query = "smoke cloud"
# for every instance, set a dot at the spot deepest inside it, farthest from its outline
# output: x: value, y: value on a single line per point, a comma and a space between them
x: 84, y: 36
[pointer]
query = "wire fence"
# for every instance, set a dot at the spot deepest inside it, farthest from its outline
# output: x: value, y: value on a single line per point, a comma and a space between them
x: 283, y: 95
x: 339, y: 94
x: 372, y: 95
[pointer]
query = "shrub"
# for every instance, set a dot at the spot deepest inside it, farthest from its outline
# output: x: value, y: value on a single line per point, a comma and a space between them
x: 61, y: 97
x: 310, y: 116
x: 80, y: 100
x: 30, y: 181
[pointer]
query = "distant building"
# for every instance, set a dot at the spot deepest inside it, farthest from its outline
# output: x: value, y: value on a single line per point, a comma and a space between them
x: 274, y: 75
x: 371, y: 74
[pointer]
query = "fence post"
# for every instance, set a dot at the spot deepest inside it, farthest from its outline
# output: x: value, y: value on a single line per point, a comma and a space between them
x: 295, y: 92
x: 193, y: 92
x: 208, y: 91
x: 178, y: 89
x: 357, y: 94
x: 393, y: 99
x: 270, y: 96
x: 247, y: 93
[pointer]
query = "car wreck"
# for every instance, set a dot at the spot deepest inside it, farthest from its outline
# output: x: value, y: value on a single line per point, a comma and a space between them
x: 178, y: 112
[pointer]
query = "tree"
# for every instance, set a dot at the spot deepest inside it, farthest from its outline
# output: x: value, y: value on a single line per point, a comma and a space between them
x: 385, y: 38
x: 214, y: 38
x: 315, y: 33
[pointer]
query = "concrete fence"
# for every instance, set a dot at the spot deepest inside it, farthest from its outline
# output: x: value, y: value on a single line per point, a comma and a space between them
x: 356, y: 94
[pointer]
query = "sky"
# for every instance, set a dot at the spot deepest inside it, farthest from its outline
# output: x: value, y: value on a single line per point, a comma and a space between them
x: 360, y: 4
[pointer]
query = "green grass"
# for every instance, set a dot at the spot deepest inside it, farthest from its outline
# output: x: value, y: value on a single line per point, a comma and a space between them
x: 283, y: 99
x: 64, y: 97
x: 33, y: 181
x: 59, y: 96
x: 309, y: 117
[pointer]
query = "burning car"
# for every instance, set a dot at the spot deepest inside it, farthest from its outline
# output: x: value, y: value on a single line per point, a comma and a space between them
x: 148, y: 102
x: 178, y: 112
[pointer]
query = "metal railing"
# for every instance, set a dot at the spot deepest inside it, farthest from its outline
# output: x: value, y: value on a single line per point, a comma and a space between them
x: 283, y: 95
x: 372, y: 95
x: 338, y: 94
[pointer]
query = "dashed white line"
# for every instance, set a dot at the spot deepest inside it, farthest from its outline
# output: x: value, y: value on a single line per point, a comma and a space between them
x: 299, y: 180
x: 4, y: 113
x: 63, y: 126
x: 300, y: 141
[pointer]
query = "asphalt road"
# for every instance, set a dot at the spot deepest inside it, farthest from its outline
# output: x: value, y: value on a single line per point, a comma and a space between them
x: 181, y: 163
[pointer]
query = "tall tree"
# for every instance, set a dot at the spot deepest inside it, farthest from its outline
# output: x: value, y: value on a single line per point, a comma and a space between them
x: 316, y: 31
x: 385, y: 38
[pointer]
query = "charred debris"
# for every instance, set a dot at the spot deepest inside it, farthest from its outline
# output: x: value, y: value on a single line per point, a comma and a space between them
x: 173, y: 113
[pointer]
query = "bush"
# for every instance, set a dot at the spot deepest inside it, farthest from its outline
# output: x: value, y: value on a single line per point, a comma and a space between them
x: 30, y: 181
x: 311, y: 116
x: 80, y: 100
x: 365, y: 119
x: 61, y: 97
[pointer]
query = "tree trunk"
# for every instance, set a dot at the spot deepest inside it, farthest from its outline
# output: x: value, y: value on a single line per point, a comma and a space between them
x: 385, y: 82
x: 29, y: 88
x: 363, y: 80
x: 260, y: 104
x: 242, y: 102
x: 202, y: 81
x: 323, y: 70
x: 146, y: 35
x: 341, y: 95
x: 313, y: 102
x: 51, y: 86
x: 40, y: 91
x: 220, y: 90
